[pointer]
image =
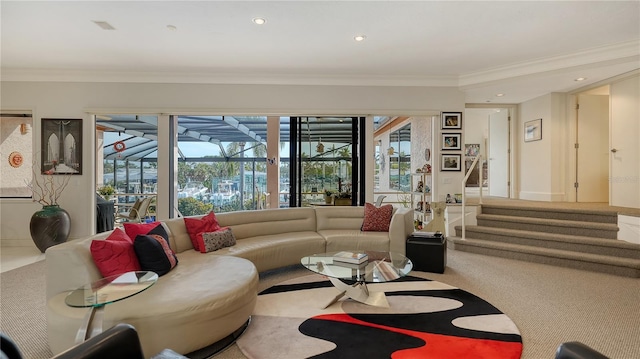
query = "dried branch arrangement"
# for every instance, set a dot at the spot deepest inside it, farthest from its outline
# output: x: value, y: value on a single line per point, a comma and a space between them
x: 47, y: 188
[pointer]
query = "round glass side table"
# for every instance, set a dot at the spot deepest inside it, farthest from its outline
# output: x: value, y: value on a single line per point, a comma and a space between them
x: 107, y: 290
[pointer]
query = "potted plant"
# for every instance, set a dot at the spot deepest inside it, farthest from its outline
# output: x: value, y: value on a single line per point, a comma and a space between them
x: 328, y: 196
x: 106, y: 191
x: 342, y: 198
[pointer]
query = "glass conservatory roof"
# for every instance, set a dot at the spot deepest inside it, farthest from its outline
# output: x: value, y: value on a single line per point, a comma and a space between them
x: 139, y: 133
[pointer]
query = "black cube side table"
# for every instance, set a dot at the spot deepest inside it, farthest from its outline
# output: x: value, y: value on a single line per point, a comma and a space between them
x: 427, y: 251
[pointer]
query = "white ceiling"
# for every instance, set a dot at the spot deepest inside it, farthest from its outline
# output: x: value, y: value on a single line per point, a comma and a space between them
x: 523, y: 49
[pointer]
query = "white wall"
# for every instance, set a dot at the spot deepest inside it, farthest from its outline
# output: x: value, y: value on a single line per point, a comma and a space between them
x: 559, y: 160
x: 625, y: 137
x: 77, y: 100
x: 542, y: 164
x: 546, y: 169
x: 476, y: 127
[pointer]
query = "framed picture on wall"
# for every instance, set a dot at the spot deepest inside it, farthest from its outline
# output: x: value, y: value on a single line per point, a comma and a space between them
x: 533, y: 130
x: 451, y: 141
x: 471, y: 150
x: 452, y: 120
x: 451, y: 162
x: 61, y: 146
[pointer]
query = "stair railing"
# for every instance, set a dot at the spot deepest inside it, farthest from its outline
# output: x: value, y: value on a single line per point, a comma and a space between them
x: 464, y: 187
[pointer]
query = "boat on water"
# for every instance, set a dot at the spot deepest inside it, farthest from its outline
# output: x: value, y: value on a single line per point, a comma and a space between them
x: 194, y: 190
x: 227, y: 192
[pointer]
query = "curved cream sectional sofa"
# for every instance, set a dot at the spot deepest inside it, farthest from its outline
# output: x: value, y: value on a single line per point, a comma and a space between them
x: 208, y: 296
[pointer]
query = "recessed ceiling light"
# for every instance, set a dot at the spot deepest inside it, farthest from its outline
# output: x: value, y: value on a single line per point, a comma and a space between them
x: 580, y: 79
x: 104, y: 25
x: 359, y: 38
x: 499, y: 94
x: 259, y: 21
x: 172, y: 28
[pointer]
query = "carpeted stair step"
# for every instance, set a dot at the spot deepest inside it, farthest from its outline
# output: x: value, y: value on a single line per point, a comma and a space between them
x: 609, y: 247
x: 566, y: 214
x: 575, y: 228
x: 627, y: 267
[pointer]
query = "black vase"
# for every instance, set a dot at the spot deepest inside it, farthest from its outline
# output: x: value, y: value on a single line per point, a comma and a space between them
x: 50, y: 226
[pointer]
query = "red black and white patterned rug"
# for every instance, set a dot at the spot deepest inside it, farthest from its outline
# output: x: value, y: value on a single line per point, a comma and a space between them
x: 426, y: 319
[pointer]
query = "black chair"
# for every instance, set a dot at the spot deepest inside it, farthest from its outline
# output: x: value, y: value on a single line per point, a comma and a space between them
x: 120, y: 341
x: 8, y: 349
x: 577, y: 350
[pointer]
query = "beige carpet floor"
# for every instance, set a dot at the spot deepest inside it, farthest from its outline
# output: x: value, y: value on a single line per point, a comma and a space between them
x: 549, y: 304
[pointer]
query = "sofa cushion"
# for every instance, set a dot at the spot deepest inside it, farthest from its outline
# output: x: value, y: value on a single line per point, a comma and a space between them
x: 275, y: 250
x: 377, y: 219
x: 154, y: 252
x: 114, y: 254
x: 339, y: 217
x: 201, y: 301
x: 197, y: 226
x: 251, y: 223
x: 355, y: 239
x: 212, y: 241
x: 133, y: 229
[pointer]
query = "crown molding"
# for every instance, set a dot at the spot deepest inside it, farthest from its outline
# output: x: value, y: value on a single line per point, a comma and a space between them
x: 620, y: 53
x: 605, y: 55
x: 68, y: 75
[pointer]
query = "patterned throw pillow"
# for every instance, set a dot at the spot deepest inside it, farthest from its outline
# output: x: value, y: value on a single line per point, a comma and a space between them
x: 212, y: 241
x: 154, y: 252
x: 197, y: 226
x: 115, y: 254
x: 377, y: 219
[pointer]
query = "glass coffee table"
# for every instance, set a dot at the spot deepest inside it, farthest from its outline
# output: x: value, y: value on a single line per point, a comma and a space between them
x: 107, y: 290
x: 351, y: 279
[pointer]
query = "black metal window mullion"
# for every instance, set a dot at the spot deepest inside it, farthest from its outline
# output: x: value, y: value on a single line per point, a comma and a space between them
x: 173, y: 205
x: 362, y: 150
x: 294, y: 164
x: 355, y: 184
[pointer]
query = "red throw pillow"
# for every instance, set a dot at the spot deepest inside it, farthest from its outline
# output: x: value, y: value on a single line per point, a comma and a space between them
x: 377, y: 219
x: 197, y: 226
x: 115, y: 254
x: 134, y: 229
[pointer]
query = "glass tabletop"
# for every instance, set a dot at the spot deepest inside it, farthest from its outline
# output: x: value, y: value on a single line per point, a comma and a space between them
x: 111, y: 289
x: 379, y: 268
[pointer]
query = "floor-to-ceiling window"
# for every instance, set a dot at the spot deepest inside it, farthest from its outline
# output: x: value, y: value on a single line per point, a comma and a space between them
x: 129, y: 158
x: 221, y: 160
x: 323, y: 149
x: 221, y: 164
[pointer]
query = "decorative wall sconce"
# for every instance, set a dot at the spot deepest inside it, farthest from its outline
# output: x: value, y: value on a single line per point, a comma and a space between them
x: 25, y: 128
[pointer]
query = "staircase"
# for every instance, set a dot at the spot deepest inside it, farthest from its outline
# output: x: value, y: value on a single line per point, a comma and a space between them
x: 575, y: 238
